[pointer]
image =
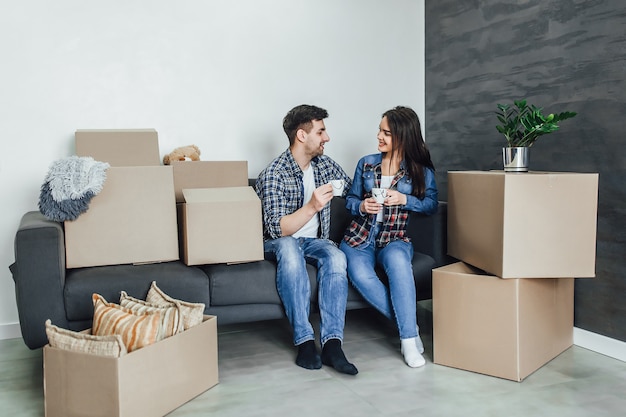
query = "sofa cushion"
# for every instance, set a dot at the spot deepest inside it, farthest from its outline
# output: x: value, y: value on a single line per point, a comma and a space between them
x: 175, y: 278
x: 255, y: 283
x: 339, y: 219
x: 245, y: 283
x: 422, y: 273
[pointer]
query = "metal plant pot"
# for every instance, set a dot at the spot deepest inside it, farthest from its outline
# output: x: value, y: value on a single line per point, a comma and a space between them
x: 515, y: 159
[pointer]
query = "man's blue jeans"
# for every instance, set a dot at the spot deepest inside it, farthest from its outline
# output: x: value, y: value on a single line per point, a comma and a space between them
x: 292, y: 281
x: 399, y: 299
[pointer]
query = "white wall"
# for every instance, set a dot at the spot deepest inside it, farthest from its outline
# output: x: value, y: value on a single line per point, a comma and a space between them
x: 220, y: 74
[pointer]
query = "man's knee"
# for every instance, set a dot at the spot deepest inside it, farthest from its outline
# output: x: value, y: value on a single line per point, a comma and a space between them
x: 335, y: 261
x: 338, y: 259
x: 286, y: 246
x: 288, y: 253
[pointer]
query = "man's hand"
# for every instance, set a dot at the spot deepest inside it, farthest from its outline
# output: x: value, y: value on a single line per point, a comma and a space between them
x: 321, y: 196
x: 291, y: 223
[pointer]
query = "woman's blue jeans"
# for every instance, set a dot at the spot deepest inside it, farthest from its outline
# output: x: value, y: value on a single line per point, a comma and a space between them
x: 398, y: 300
x: 294, y: 288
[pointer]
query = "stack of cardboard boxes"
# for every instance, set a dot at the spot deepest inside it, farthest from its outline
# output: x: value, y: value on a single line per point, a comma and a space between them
x: 507, y: 308
x: 201, y: 212
x: 134, y: 218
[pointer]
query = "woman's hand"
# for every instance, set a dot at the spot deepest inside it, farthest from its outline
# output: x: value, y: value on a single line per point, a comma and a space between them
x: 370, y: 206
x: 395, y: 198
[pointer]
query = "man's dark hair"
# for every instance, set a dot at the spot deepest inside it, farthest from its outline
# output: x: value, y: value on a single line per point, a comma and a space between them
x: 301, y: 117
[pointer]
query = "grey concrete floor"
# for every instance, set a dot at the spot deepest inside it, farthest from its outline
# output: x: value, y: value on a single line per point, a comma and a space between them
x: 258, y: 377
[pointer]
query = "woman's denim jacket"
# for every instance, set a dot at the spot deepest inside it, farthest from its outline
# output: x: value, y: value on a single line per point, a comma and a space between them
x: 395, y: 218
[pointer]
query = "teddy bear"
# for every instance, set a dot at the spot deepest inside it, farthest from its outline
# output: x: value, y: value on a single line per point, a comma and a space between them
x: 183, y: 153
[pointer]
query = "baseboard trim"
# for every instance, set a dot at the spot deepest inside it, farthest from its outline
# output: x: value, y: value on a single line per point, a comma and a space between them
x: 600, y: 344
x: 10, y: 331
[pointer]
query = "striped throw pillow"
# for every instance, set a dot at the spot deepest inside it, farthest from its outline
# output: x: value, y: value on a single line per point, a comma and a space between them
x: 110, y: 345
x: 136, y: 329
x: 171, y: 316
x: 193, y: 313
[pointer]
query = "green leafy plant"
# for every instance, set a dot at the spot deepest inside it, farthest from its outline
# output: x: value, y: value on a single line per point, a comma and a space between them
x: 523, y: 124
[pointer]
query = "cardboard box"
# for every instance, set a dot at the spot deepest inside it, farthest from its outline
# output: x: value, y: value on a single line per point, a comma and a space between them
x: 221, y: 225
x: 208, y: 174
x: 132, y: 220
x: 129, y: 147
x: 507, y: 328
x: 151, y: 381
x: 524, y: 225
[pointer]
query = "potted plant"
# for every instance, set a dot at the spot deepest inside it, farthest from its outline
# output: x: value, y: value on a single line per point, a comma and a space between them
x: 521, y: 126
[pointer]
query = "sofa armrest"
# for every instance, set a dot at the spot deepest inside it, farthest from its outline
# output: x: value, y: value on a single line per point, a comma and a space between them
x: 39, y: 275
x: 429, y: 234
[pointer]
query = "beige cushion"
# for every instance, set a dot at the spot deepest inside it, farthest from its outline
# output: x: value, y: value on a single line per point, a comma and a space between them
x: 136, y: 329
x: 109, y: 345
x: 171, y: 315
x: 193, y: 313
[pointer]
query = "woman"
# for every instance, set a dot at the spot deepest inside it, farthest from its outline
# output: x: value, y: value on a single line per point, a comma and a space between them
x: 377, y: 233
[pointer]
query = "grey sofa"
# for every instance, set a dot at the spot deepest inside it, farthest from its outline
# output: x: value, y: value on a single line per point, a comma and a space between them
x: 46, y: 289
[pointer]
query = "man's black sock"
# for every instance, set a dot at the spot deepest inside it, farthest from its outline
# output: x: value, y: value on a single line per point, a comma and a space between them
x: 332, y: 355
x: 308, y: 357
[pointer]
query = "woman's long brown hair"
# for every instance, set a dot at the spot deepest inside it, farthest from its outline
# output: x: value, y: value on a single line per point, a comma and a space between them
x: 408, y: 143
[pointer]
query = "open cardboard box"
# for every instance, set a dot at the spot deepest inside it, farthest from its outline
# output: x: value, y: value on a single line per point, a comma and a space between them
x: 148, y: 382
x: 208, y: 174
x: 220, y: 225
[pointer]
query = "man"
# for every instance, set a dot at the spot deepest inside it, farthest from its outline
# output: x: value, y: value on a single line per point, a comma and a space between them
x: 295, y: 192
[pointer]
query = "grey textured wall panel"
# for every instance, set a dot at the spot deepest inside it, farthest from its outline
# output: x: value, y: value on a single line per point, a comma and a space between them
x: 560, y: 55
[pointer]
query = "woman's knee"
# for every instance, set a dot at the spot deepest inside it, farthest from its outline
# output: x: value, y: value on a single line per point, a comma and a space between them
x: 396, y: 253
x: 361, y: 272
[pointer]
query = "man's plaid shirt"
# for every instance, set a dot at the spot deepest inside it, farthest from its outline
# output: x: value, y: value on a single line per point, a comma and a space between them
x: 280, y: 188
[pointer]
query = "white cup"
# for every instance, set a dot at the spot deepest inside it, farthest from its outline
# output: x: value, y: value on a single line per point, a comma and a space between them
x: 379, y: 194
x: 337, y: 187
